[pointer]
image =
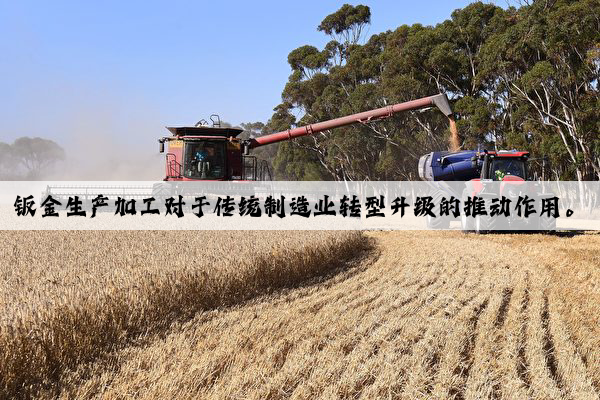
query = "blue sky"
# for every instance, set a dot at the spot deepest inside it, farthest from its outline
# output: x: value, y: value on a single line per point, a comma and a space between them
x: 125, y: 69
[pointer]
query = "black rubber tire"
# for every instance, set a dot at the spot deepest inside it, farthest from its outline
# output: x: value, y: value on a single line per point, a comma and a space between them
x: 440, y: 221
x: 534, y: 225
x: 485, y: 224
x: 547, y: 224
x: 467, y: 222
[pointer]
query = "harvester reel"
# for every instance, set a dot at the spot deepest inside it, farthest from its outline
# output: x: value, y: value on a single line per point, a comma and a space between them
x: 161, y: 191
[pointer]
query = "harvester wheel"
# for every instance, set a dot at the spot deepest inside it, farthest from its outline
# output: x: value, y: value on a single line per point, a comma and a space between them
x: 439, y: 221
x: 467, y: 222
x: 486, y: 223
x: 547, y: 224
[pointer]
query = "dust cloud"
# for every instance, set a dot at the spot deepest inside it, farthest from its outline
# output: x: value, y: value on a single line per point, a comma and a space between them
x: 105, y: 144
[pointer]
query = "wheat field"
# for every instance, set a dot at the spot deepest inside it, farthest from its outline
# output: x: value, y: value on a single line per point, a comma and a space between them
x: 69, y: 297
x: 413, y: 315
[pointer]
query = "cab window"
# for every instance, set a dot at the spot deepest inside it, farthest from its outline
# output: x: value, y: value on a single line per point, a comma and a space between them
x: 501, y: 167
x: 204, y: 159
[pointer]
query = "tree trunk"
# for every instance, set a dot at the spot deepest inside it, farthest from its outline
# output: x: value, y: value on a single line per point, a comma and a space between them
x: 581, y: 186
x: 387, y: 192
x: 544, y: 175
x: 559, y: 190
x: 346, y: 183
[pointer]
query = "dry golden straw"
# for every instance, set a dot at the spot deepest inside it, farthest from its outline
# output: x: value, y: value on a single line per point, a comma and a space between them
x: 68, y: 297
x: 421, y: 315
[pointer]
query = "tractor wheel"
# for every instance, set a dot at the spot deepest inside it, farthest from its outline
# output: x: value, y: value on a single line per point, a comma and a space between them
x: 439, y: 221
x: 547, y: 224
x: 534, y: 225
x: 485, y: 224
x: 467, y: 222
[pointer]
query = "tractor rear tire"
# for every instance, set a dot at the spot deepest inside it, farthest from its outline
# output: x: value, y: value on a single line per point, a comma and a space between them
x: 485, y: 224
x: 534, y: 224
x: 467, y: 222
x: 547, y: 224
x: 439, y: 221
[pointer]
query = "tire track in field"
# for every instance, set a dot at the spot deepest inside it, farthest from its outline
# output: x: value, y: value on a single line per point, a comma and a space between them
x: 503, y: 309
x: 567, y: 365
x: 548, y: 343
x: 522, y: 365
x: 537, y: 349
x: 433, y: 318
x: 423, y: 374
x: 511, y: 374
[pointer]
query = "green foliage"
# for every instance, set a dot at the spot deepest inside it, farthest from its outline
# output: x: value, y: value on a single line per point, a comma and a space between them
x: 347, y: 22
x: 307, y: 59
x: 540, y: 74
x: 293, y: 163
x: 525, y: 78
x: 477, y: 122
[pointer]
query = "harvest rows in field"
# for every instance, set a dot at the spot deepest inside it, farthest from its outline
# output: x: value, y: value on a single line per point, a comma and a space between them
x: 429, y: 315
x: 69, y: 297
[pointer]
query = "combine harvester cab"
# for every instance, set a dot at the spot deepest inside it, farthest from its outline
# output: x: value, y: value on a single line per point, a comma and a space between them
x: 485, y: 174
x: 209, y: 154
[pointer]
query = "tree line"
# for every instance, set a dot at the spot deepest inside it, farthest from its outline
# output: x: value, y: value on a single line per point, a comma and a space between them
x: 28, y: 158
x: 524, y: 77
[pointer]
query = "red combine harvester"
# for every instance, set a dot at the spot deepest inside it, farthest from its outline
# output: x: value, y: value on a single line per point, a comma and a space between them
x: 212, y: 160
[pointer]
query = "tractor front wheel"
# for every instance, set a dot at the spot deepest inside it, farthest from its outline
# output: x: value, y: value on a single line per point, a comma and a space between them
x: 439, y: 221
x: 485, y: 224
x: 547, y: 224
x: 467, y: 222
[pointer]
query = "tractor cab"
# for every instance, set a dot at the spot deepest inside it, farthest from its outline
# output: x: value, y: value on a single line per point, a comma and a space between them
x: 502, y: 165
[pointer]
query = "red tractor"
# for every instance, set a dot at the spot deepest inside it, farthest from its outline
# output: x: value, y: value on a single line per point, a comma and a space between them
x: 488, y: 175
